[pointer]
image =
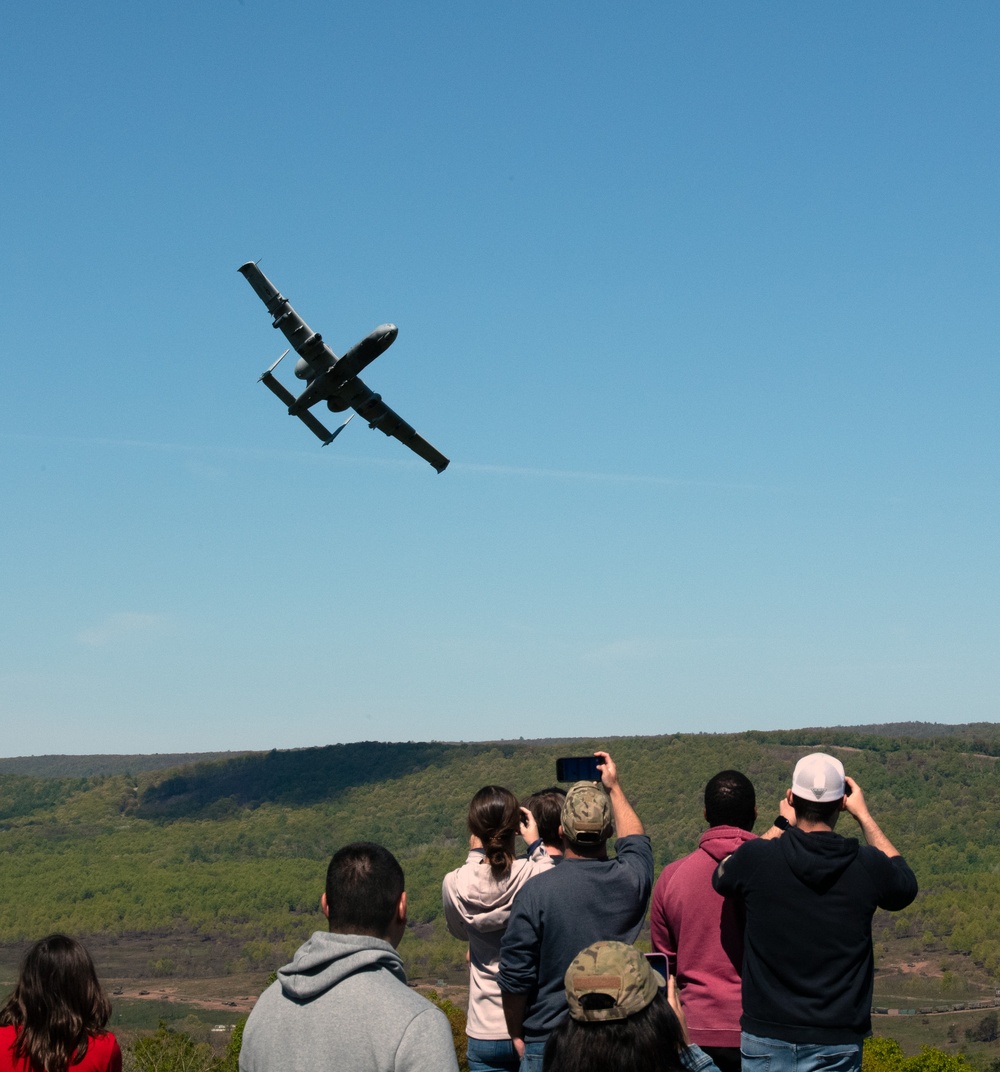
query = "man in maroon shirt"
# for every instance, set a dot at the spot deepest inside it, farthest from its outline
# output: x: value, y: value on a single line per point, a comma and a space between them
x: 700, y: 931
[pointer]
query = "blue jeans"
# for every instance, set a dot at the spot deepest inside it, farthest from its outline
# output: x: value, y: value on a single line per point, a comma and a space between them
x: 774, y: 1055
x: 532, y: 1059
x: 491, y: 1055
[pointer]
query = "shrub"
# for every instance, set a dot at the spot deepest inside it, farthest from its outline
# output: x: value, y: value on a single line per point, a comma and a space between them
x: 456, y: 1018
x: 169, y: 1051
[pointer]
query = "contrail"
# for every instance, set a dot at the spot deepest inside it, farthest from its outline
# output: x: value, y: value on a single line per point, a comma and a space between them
x: 472, y: 468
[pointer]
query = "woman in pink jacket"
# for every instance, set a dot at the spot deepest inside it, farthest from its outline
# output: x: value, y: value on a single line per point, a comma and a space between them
x: 477, y: 900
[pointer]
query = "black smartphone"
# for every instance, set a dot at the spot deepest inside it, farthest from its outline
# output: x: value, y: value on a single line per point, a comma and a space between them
x: 658, y: 962
x: 577, y: 769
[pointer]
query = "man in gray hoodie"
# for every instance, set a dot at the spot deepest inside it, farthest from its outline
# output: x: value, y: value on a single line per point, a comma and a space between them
x: 343, y: 1002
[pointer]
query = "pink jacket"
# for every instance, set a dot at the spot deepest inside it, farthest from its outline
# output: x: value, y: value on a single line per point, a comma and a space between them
x: 476, y: 909
x: 702, y: 936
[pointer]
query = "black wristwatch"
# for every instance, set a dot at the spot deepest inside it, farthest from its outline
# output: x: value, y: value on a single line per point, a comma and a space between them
x: 782, y: 823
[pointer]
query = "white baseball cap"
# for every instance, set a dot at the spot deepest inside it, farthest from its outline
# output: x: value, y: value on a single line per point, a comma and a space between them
x: 819, y: 777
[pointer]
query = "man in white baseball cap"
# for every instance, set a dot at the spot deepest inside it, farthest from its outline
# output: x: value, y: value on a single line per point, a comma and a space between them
x: 809, y: 897
x: 818, y: 778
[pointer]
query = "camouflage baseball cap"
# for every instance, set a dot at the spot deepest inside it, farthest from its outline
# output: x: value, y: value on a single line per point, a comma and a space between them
x: 610, y: 981
x: 586, y: 814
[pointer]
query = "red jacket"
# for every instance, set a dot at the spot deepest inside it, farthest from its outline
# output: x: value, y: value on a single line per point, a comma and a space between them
x: 702, y: 936
x: 103, y: 1054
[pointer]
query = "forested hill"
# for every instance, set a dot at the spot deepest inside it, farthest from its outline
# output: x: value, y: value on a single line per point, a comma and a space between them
x: 307, y: 776
x: 85, y: 766
x: 237, y: 847
x: 296, y: 778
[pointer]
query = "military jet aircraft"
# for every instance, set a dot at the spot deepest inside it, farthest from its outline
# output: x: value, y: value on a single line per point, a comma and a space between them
x: 331, y: 379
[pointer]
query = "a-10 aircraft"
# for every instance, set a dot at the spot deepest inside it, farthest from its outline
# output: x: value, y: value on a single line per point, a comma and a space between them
x: 333, y: 379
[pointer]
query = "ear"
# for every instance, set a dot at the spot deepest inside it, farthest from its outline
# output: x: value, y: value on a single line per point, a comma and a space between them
x: 788, y: 798
x: 324, y: 906
x: 561, y: 834
x: 401, y: 908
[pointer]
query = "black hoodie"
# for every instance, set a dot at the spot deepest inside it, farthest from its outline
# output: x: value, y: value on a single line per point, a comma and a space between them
x: 807, y: 963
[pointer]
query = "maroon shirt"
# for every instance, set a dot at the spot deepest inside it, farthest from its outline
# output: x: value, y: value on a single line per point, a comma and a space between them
x: 701, y: 934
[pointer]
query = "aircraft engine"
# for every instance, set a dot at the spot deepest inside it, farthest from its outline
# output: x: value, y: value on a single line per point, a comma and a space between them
x: 337, y: 405
x: 306, y: 371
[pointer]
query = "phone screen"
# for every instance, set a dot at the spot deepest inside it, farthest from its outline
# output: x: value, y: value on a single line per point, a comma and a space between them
x: 577, y: 769
x: 658, y: 962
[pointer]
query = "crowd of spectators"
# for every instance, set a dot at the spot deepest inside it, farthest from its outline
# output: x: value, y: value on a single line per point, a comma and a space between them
x: 762, y: 952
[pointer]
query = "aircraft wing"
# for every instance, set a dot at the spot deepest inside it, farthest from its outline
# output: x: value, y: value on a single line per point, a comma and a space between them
x: 378, y: 415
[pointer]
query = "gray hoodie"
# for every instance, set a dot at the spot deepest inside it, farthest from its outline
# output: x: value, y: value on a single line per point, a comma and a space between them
x: 343, y: 1003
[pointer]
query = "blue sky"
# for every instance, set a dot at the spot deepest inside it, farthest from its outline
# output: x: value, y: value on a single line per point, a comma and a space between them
x: 701, y: 300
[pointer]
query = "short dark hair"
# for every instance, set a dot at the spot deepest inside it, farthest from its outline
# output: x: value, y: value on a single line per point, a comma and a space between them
x: 730, y: 800
x: 546, y: 807
x: 648, y: 1041
x: 814, y: 811
x: 363, y: 885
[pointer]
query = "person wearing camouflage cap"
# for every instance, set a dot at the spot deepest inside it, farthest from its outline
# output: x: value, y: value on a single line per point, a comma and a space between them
x: 586, y: 817
x: 588, y: 898
x: 623, y: 1017
x: 809, y: 897
x: 610, y: 981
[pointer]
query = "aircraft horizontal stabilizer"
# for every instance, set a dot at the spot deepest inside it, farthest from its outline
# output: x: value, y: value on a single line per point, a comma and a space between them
x: 305, y: 416
x: 277, y: 388
x: 317, y: 429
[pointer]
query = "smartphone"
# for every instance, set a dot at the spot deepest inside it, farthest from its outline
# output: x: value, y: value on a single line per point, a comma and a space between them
x: 658, y: 962
x: 577, y: 769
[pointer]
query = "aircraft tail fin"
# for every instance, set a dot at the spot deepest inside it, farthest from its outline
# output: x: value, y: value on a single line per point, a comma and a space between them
x: 339, y: 430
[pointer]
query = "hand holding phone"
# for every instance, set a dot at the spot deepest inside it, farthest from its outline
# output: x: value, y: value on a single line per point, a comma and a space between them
x: 528, y: 826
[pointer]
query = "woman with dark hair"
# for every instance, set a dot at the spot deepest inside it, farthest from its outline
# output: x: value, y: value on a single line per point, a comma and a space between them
x: 619, y: 1018
x: 55, y: 1019
x: 477, y: 900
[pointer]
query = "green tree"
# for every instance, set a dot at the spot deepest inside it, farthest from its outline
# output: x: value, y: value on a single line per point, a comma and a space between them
x: 456, y: 1019
x: 231, y: 1058
x: 932, y: 1060
x: 886, y: 1055
x: 985, y: 1031
x: 169, y: 1051
x: 881, y: 1055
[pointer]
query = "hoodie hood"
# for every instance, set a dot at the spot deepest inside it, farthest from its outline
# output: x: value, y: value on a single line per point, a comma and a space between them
x: 482, y: 901
x: 721, y: 841
x: 326, y: 959
x: 817, y: 859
